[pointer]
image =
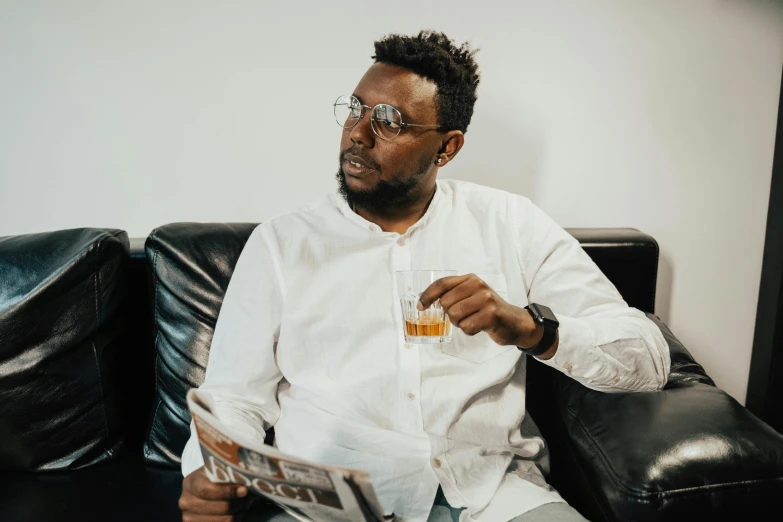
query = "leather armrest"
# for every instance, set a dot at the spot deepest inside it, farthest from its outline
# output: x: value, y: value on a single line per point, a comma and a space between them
x: 688, y: 452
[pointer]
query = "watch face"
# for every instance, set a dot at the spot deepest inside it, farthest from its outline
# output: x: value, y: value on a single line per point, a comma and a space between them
x: 544, y: 315
x: 536, y: 313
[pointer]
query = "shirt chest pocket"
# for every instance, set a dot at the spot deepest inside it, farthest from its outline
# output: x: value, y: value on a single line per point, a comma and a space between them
x: 480, y: 347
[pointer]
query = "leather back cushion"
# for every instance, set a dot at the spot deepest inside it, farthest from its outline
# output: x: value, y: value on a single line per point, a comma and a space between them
x: 191, y: 267
x: 61, y: 339
x: 629, y: 259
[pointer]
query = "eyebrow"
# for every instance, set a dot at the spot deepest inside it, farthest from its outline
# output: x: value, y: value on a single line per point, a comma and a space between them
x: 404, y: 113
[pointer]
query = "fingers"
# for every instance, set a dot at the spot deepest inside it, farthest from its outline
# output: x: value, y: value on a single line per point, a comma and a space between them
x: 472, y: 306
x: 205, y: 501
x: 463, y: 307
x: 440, y: 287
x: 470, y: 303
x: 468, y: 297
x: 198, y: 484
x: 482, y: 320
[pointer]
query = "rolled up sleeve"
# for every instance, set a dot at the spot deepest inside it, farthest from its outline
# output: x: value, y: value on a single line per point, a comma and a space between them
x: 604, y: 344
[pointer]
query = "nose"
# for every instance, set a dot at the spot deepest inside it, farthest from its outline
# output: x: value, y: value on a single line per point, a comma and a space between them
x: 362, y: 132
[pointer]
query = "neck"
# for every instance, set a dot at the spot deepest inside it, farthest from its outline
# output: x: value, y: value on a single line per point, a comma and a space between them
x: 398, y: 219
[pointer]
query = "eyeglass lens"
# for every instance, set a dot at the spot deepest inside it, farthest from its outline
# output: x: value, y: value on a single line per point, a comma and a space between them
x: 386, y: 120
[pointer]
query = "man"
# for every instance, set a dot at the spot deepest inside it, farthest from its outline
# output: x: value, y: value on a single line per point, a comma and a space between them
x: 310, y: 341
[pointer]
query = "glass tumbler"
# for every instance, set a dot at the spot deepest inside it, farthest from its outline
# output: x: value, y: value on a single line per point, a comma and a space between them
x: 430, y: 326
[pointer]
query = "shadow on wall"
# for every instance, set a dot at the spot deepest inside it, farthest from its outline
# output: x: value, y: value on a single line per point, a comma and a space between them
x: 663, y: 294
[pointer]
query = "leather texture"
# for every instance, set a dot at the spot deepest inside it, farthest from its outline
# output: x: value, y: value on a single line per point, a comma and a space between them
x: 191, y: 267
x: 684, y: 370
x: 689, y: 452
x: 192, y: 264
x: 123, y: 490
x: 677, y: 453
x: 628, y: 257
x: 61, y: 341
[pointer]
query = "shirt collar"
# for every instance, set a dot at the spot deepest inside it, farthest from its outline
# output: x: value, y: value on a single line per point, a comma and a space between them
x: 346, y: 211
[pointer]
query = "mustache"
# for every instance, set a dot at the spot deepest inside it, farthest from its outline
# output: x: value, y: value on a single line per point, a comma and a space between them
x: 359, y: 153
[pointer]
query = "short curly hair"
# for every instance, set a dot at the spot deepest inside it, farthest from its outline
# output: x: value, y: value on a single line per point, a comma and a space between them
x: 434, y: 56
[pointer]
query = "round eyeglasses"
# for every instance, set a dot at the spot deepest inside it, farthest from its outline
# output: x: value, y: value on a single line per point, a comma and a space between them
x: 385, y: 120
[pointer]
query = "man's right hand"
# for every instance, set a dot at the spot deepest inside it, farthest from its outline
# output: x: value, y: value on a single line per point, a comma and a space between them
x: 205, y: 501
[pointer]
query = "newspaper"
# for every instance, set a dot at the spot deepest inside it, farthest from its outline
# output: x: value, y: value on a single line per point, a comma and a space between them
x: 308, y: 491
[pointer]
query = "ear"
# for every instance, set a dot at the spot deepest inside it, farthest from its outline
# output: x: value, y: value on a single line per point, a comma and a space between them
x: 450, y: 146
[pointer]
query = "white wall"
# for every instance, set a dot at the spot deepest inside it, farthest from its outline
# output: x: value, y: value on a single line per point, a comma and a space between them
x: 658, y: 115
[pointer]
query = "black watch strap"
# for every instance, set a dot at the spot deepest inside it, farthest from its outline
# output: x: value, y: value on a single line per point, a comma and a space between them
x: 547, y: 339
x: 543, y: 345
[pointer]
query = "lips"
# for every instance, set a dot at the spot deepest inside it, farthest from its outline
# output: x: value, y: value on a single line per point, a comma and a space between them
x: 356, y: 166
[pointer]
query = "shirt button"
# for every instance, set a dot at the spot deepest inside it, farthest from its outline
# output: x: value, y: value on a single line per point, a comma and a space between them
x: 411, y: 396
x: 615, y: 380
x: 436, y: 463
x: 372, y: 228
x: 401, y: 242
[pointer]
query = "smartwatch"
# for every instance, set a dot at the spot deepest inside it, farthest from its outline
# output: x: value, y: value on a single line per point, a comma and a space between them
x: 542, y: 315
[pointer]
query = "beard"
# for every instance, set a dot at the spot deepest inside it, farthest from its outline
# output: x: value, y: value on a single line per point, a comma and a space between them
x: 398, y: 192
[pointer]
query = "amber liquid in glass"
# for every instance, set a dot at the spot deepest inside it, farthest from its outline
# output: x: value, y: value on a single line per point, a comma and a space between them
x: 428, y: 327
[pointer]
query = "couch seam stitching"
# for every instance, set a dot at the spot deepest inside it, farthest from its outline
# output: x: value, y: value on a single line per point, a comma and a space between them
x: 700, y: 490
x: 98, y: 322
x: 103, y: 398
x: 569, y: 444
x: 603, y: 458
x: 607, y: 515
x: 147, y: 451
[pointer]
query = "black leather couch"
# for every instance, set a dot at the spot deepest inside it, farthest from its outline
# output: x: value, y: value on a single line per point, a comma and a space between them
x: 100, y: 337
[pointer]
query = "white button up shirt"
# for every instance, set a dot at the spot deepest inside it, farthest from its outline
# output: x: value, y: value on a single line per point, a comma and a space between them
x: 310, y: 340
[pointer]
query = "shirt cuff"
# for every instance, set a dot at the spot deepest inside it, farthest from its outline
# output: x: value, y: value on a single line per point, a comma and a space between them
x: 576, y: 340
x: 582, y: 357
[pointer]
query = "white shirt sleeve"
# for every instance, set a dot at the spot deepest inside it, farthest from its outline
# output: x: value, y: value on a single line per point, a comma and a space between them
x: 604, y: 344
x: 242, y: 376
